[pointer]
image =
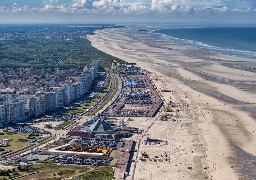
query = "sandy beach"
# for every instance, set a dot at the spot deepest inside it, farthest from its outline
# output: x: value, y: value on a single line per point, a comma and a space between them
x: 211, y: 138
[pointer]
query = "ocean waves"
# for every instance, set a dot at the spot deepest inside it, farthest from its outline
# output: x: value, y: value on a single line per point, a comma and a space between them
x: 202, y: 45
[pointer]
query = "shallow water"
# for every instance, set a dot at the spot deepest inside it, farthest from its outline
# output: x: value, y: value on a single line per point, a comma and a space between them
x: 232, y: 41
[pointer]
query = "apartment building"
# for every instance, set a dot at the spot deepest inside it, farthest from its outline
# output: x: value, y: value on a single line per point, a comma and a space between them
x: 40, y: 104
x: 14, y: 111
x: 59, y: 96
x: 2, y: 113
x: 50, y: 101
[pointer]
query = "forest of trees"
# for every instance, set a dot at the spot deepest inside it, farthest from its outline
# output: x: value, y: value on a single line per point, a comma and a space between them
x: 50, y: 46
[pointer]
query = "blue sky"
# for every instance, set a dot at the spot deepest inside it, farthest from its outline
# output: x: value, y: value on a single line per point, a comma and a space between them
x: 236, y: 11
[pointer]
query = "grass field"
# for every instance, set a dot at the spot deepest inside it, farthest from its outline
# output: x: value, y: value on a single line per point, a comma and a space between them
x: 14, y: 140
x: 108, y: 98
x: 79, y: 110
x: 87, y: 105
x: 52, y: 171
x: 63, y: 125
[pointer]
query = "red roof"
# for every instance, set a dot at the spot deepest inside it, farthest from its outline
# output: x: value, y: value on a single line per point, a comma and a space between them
x: 75, y: 132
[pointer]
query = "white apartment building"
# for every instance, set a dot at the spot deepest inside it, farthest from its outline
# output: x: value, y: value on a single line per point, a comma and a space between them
x: 15, y: 111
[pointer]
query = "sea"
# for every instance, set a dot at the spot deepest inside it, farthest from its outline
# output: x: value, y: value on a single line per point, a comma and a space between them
x: 236, y: 41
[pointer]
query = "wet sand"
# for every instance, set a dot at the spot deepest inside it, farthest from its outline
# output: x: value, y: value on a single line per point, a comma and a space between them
x: 213, y: 135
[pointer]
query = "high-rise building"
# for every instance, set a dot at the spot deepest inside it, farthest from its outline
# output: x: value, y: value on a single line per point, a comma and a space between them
x: 50, y: 101
x: 78, y: 86
x: 67, y: 94
x: 30, y: 104
x: 88, y: 78
x: 14, y: 111
x: 95, y: 63
x: 85, y: 83
x: 40, y: 104
x: 73, y: 92
x: 2, y: 114
x: 59, y: 96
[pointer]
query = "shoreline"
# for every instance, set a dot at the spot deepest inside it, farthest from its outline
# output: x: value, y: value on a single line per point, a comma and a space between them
x: 216, y: 126
x: 204, y: 46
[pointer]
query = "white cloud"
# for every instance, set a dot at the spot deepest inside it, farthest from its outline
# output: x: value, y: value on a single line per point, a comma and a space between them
x: 50, y: 1
x: 2, y: 9
x: 224, y: 9
x: 48, y: 7
x: 101, y: 3
x: 83, y: 1
x: 15, y: 8
x: 134, y: 6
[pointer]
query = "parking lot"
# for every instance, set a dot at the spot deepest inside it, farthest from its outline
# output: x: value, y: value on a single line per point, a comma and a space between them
x: 138, y: 96
x: 82, y: 161
x: 94, y: 142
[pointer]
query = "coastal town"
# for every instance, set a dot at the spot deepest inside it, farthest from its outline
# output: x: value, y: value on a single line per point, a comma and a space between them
x: 121, y: 114
x: 26, y: 93
x: 127, y: 90
x: 78, y: 117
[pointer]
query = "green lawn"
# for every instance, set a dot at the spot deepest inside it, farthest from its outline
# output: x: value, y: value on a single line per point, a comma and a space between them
x: 14, y: 140
x: 11, y: 174
x: 83, y: 107
x: 79, y: 110
x: 63, y: 125
x: 108, y: 98
x: 102, y: 173
x: 76, y: 172
x: 101, y: 95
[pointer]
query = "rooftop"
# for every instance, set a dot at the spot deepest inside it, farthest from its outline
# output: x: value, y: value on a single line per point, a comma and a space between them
x: 100, y: 126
